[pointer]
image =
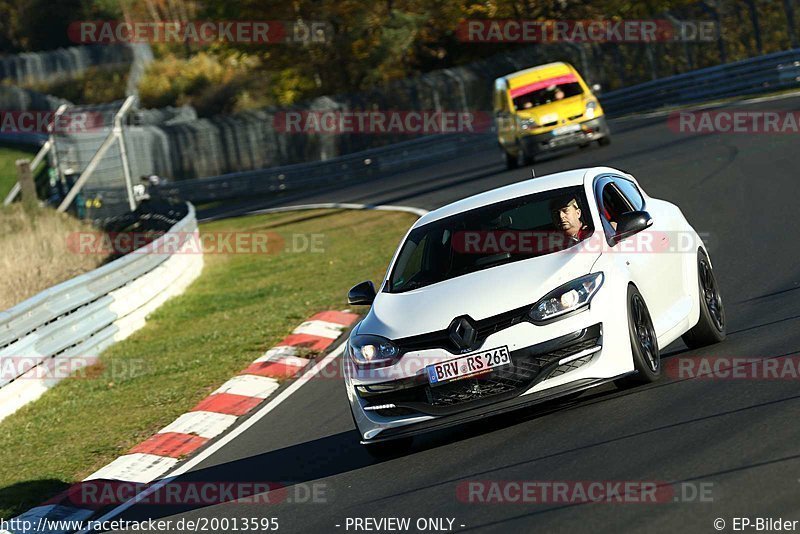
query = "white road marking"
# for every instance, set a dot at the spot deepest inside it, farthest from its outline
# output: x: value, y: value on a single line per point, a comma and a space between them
x: 203, y: 424
x: 294, y: 361
x: 249, y: 386
x: 320, y: 329
x: 277, y: 352
x: 136, y: 467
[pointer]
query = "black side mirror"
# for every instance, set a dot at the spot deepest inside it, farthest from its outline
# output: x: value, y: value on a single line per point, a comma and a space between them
x: 362, y: 294
x: 631, y: 223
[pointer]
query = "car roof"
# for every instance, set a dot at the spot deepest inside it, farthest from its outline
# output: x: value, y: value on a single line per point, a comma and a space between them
x: 534, y: 185
x: 541, y: 72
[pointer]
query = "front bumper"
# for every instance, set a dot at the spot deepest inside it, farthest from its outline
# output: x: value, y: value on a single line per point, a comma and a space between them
x: 590, y: 130
x: 529, y: 366
x: 535, y: 349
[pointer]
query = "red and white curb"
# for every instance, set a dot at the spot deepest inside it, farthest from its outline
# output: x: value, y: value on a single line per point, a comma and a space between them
x: 154, y: 457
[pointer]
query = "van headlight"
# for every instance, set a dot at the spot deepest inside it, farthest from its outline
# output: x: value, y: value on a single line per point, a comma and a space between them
x: 568, y: 298
x: 591, y: 109
x: 367, y: 349
x: 527, y: 124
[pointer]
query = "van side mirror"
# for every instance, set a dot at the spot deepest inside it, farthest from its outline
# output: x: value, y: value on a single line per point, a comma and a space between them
x: 362, y: 294
x: 631, y: 223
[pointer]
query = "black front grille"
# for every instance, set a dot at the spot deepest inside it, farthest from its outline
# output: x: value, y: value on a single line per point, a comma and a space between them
x: 528, y: 366
x: 485, y: 328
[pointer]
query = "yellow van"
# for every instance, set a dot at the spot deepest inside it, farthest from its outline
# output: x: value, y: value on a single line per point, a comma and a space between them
x: 545, y: 108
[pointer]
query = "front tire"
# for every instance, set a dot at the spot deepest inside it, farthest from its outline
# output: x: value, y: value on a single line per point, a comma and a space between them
x: 711, y: 328
x: 512, y: 162
x: 644, y: 343
x: 604, y: 141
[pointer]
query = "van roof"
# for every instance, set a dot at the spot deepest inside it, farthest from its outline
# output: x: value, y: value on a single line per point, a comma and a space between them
x: 541, y: 72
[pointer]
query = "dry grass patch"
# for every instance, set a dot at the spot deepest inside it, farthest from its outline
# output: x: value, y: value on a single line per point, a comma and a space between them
x: 34, y: 254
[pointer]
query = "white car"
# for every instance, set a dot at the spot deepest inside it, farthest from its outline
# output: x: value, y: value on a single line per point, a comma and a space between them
x: 529, y: 292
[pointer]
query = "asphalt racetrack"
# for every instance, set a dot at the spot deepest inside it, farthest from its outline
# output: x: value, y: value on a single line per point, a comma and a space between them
x: 727, y: 447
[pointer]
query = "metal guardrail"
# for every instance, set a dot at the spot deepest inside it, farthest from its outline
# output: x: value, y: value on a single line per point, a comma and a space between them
x: 351, y: 167
x: 768, y: 73
x: 85, y: 314
x: 64, y: 63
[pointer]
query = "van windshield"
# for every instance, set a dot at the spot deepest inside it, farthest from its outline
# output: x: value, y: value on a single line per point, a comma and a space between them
x: 492, y: 235
x: 546, y: 95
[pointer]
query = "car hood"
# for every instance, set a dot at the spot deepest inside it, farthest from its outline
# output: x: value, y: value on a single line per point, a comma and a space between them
x: 480, y: 294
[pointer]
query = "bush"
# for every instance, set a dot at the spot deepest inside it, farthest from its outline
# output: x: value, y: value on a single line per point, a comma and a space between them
x: 95, y: 86
x: 211, y: 83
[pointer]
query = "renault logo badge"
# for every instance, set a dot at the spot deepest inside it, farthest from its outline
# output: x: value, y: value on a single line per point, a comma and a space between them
x: 463, y: 333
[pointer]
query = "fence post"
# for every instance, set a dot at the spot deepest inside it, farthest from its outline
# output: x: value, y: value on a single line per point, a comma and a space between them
x: 92, y: 165
x: 25, y: 180
x: 123, y: 153
x: 34, y: 164
x: 52, y: 139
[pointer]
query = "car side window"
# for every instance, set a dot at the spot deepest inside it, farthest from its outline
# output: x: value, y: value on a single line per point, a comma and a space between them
x: 631, y: 192
x: 613, y: 204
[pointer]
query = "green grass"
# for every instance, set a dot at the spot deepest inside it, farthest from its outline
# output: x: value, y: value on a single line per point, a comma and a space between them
x: 240, y: 306
x: 8, y: 167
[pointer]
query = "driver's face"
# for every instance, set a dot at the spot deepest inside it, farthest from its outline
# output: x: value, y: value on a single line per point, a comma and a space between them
x: 569, y: 219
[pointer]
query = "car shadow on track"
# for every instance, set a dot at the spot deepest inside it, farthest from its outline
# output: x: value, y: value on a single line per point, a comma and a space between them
x: 341, y: 453
x: 17, y: 498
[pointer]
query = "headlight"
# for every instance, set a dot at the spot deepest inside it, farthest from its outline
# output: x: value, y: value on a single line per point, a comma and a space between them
x: 570, y: 297
x: 527, y: 124
x: 591, y: 108
x: 371, y: 350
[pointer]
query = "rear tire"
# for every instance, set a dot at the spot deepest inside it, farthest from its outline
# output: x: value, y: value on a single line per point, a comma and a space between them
x: 644, y: 343
x: 711, y: 328
x: 604, y: 141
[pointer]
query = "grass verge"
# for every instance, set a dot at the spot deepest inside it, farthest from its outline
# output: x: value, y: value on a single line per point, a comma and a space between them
x: 240, y: 306
x: 34, y: 254
x: 8, y: 167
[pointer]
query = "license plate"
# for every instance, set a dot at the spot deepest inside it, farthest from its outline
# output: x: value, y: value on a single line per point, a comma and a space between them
x: 561, y: 141
x: 570, y: 128
x: 466, y: 366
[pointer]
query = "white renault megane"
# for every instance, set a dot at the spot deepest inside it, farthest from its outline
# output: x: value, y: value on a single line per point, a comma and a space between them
x: 526, y: 293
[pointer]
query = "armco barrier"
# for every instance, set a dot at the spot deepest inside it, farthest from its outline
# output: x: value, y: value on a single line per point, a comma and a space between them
x: 64, y: 63
x: 768, y: 73
x: 358, y: 166
x: 80, y: 317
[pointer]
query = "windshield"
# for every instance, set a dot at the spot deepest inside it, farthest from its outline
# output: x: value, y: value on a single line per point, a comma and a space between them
x: 508, y: 231
x: 546, y: 95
